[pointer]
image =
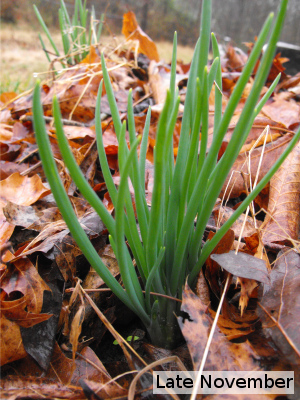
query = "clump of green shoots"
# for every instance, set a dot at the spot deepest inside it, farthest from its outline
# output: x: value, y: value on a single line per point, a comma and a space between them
x: 169, y: 248
x: 77, y: 34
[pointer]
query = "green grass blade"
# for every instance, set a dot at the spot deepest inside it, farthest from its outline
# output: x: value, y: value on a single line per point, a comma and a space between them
x: 210, y: 245
x: 44, y: 48
x: 65, y: 11
x: 100, y: 27
x: 111, y: 98
x: 64, y: 34
x: 204, y: 129
x: 218, y: 85
x: 158, y: 188
x: 76, y: 172
x: 204, y: 36
x: 266, y: 96
x: 127, y: 270
x: 236, y: 95
x: 242, y: 127
x: 101, y: 150
x: 139, y: 190
x: 131, y: 226
x: 151, y: 277
x: 144, y: 147
x: 64, y: 203
x: 212, y: 73
x: 46, y: 30
x: 191, y: 167
x: 173, y: 69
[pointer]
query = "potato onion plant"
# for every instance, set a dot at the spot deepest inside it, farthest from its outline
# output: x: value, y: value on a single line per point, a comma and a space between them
x: 77, y: 33
x: 166, y: 238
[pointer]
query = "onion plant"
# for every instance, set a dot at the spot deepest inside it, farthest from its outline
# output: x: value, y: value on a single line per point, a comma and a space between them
x: 77, y: 34
x: 166, y: 239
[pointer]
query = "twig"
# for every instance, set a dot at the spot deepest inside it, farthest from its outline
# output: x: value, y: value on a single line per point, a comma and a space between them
x: 48, y: 119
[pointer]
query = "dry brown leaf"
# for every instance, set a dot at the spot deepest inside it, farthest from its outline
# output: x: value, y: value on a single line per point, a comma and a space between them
x: 21, y: 303
x: 96, y: 378
x: 11, y: 348
x: 159, y: 82
x: 15, y: 387
x: 282, y: 221
x: 223, y: 355
x: 76, y: 329
x: 247, y: 228
x: 132, y: 31
x: 235, y: 59
x: 20, y: 190
x: 236, y: 185
x: 280, y: 305
x: 213, y: 272
x: 243, y: 265
x: 283, y: 111
x: 247, y: 287
x: 234, y: 329
x: 22, y: 277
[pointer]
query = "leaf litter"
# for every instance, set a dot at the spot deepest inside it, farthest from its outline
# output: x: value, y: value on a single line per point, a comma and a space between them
x: 55, y: 340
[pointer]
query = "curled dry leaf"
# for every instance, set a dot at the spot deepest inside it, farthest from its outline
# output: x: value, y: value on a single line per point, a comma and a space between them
x: 76, y: 329
x: 232, y: 329
x: 55, y: 234
x: 132, y: 31
x: 20, y: 190
x: 213, y: 272
x: 21, y: 303
x: 247, y: 288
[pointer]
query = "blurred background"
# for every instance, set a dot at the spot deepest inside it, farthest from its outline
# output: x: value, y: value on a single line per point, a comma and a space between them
x: 237, y: 21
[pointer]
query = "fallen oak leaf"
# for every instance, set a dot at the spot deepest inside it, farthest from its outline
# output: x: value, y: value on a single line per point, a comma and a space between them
x: 15, y: 310
x: 233, y: 329
x: 223, y: 354
x: 21, y: 302
x: 21, y: 277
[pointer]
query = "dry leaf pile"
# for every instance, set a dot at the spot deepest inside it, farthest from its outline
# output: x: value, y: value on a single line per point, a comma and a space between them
x: 55, y: 311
